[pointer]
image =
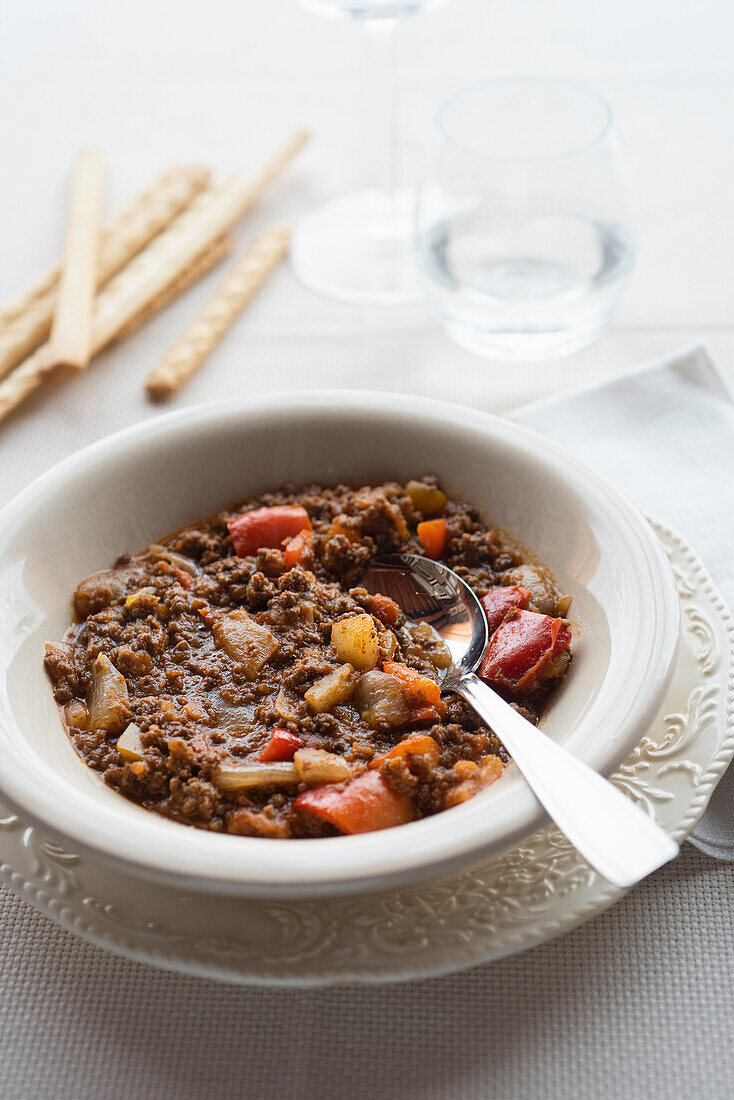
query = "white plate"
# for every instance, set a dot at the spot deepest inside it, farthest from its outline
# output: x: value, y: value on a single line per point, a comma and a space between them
x: 513, y: 901
x: 124, y: 491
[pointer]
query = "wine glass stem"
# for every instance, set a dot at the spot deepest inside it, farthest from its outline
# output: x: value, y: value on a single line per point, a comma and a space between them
x: 384, y: 36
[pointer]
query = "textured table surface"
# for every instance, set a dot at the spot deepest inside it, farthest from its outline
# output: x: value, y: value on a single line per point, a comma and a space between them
x: 638, y: 1002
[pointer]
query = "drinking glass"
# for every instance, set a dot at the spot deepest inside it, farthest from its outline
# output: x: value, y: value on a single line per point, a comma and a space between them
x: 359, y: 247
x: 524, y: 236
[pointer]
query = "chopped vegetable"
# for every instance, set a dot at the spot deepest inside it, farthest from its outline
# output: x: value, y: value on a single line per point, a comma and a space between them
x: 99, y: 590
x: 286, y: 705
x: 186, y: 565
x: 522, y: 650
x: 563, y: 605
x: 266, y: 528
x: 430, y: 644
x: 335, y: 687
x: 543, y: 594
x: 75, y: 714
x: 418, y: 744
x: 427, y: 498
x: 129, y: 745
x: 355, y: 640
x: 298, y: 548
x: 383, y: 608
x: 364, y: 805
x: 488, y: 771
x: 499, y: 601
x: 244, y: 822
x: 432, y: 533
x: 108, y: 702
x: 381, y: 701
x: 281, y: 746
x: 142, y: 596
x: 318, y: 766
x: 235, y: 777
x: 388, y: 645
x: 245, y: 641
x: 424, y: 694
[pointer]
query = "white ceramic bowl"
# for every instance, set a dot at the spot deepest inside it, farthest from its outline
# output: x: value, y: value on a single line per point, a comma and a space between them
x: 131, y: 488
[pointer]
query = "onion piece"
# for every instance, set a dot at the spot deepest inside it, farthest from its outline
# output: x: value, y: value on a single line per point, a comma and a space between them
x: 381, y: 701
x: 232, y: 776
x: 248, y: 643
x: 159, y: 553
x: 108, y: 702
x: 318, y: 766
x: 286, y: 705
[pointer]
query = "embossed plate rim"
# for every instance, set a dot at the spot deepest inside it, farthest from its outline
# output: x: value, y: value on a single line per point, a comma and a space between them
x: 99, y: 923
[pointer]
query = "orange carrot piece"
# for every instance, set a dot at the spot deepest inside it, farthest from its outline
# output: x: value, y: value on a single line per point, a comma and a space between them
x: 424, y: 694
x: 297, y: 548
x: 432, y: 533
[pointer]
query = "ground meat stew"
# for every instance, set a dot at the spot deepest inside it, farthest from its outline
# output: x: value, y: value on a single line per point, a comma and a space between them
x: 236, y: 677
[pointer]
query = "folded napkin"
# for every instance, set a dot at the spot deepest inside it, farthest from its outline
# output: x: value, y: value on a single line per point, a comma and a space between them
x: 665, y: 433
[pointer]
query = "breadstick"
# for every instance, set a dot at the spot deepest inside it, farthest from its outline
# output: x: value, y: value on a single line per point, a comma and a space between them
x: 30, y: 315
x: 238, y: 289
x: 71, y: 332
x: 203, y: 263
x: 165, y: 259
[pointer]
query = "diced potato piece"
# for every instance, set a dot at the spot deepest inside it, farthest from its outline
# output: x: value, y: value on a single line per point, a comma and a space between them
x: 129, y: 745
x: 108, y: 702
x: 355, y: 641
x: 233, y: 776
x: 245, y: 641
x: 317, y: 766
x: 427, y: 498
x: 335, y: 687
x: 381, y: 701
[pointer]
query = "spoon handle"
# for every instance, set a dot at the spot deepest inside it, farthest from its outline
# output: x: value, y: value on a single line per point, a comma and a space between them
x: 609, y: 831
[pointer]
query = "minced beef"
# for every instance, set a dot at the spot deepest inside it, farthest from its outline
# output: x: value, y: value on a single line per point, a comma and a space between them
x: 153, y: 625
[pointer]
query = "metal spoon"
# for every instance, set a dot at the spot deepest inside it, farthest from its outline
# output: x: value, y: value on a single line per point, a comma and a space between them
x: 610, y: 832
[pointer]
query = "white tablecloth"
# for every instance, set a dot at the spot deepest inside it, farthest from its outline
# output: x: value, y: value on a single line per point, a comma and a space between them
x: 637, y: 1003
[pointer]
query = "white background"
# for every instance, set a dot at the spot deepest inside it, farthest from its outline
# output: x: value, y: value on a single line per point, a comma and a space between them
x: 629, y: 1005
x: 152, y: 81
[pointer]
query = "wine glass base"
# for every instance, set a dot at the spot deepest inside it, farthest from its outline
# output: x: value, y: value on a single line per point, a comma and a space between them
x: 359, y: 248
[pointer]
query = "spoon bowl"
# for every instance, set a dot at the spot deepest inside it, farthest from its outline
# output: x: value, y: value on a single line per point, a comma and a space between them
x: 609, y: 831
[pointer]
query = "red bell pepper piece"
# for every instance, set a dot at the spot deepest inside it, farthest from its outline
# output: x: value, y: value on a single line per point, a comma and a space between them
x: 297, y: 548
x: 267, y: 528
x: 363, y: 805
x: 499, y: 601
x: 432, y: 533
x: 423, y: 693
x: 282, y: 745
x: 521, y: 648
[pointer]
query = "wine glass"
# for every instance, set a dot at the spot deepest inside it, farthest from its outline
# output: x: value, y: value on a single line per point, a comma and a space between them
x: 524, y: 235
x: 359, y: 247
